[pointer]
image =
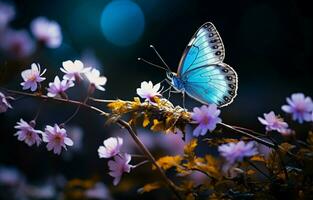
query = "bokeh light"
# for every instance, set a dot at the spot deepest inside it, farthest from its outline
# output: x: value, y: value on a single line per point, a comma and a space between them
x: 122, y: 22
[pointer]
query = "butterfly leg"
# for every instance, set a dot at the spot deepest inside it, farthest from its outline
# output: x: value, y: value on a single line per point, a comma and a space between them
x: 168, y: 89
x: 184, y: 100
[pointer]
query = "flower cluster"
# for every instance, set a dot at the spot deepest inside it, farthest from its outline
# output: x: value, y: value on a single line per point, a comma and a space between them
x: 120, y: 164
x: 299, y: 106
x: 55, y: 137
x: 73, y: 71
x: 19, y: 43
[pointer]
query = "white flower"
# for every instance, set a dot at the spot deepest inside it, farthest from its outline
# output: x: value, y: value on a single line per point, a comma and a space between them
x: 111, y: 147
x: 58, y: 87
x: 48, y: 32
x: 148, y: 91
x: 32, y: 77
x: 95, y: 79
x: 73, y: 70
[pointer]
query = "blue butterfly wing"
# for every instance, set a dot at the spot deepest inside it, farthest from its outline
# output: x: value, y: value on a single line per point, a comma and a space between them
x: 205, y: 48
x: 206, y: 78
x: 212, y: 84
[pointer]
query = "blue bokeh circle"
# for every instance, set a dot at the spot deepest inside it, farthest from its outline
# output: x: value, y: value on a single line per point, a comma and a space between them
x: 122, y: 22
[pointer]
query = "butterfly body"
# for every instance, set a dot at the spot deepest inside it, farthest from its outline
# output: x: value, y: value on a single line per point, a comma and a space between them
x: 202, y: 74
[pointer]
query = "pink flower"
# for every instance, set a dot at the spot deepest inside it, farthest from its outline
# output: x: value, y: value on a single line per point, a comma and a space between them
x: 4, y: 104
x: 59, y: 87
x: 97, y: 81
x: 300, y: 107
x: 32, y: 77
x: 17, y: 44
x: 148, y: 91
x: 273, y: 122
x: 46, y: 31
x: 207, y: 118
x: 233, y: 152
x: 119, y: 166
x: 111, y: 147
x: 27, y: 133
x: 56, y: 138
x: 7, y: 13
x: 73, y: 70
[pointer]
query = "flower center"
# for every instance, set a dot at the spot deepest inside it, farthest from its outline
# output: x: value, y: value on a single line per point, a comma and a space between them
x: 58, y: 139
x: 29, y: 135
x: 206, y: 120
x: 32, y: 78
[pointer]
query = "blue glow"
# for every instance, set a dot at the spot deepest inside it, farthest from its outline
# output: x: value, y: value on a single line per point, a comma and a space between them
x: 122, y: 22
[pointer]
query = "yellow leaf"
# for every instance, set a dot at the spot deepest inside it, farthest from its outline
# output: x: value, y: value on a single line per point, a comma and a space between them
x: 149, y: 187
x: 250, y: 172
x: 190, y: 147
x: 286, y: 146
x: 258, y: 158
x: 137, y: 99
x: 117, y: 106
x: 167, y: 162
x: 146, y: 121
x: 157, y: 126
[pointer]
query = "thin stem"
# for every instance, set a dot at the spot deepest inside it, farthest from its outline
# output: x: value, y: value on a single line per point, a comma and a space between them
x: 264, y: 142
x: 175, y: 189
x: 203, y: 172
x: 101, y: 100
x: 76, y: 111
x: 141, y: 163
x: 259, y: 170
x: 38, y: 111
x: 137, y: 156
x: 279, y: 156
x: 249, y: 130
x: 143, y: 148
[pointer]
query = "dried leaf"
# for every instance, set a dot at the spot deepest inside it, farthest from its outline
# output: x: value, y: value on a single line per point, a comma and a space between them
x: 190, y: 147
x: 157, y: 126
x: 146, y: 121
x: 149, y: 187
x: 167, y: 162
x: 259, y: 158
x: 250, y: 172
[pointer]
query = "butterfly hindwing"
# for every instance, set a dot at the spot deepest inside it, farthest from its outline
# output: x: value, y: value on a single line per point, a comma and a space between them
x: 205, y: 48
x: 209, y: 84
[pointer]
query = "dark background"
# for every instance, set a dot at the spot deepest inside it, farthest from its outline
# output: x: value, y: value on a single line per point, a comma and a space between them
x: 268, y: 43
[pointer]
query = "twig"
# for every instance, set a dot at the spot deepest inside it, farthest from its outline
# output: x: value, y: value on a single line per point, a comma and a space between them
x: 264, y: 142
x: 259, y: 170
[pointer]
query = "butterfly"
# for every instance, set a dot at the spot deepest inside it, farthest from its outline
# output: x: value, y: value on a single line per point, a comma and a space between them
x: 201, y: 74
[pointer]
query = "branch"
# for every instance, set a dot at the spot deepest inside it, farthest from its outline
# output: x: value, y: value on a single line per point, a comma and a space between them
x: 175, y: 189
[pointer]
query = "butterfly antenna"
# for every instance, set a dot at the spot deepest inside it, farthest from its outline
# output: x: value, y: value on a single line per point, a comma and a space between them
x: 150, y: 63
x: 151, y: 46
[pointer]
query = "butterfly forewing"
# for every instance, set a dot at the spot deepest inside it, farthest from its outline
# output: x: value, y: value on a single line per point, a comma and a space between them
x: 205, y: 48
